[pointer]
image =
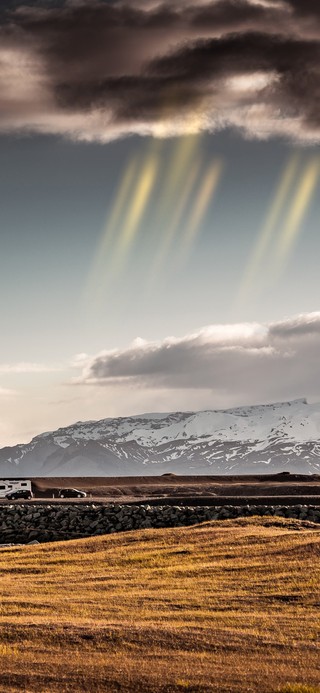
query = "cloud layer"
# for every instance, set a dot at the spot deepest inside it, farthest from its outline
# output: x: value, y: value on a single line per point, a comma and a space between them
x: 25, y: 368
x: 236, y: 363
x: 102, y: 70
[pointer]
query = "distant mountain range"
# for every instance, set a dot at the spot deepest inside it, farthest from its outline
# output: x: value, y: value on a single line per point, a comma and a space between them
x: 247, y: 440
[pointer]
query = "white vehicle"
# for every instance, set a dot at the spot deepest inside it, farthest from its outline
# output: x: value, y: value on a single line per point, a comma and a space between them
x: 9, y: 485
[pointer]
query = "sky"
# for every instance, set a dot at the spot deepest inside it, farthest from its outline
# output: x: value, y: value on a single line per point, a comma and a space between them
x: 159, y: 207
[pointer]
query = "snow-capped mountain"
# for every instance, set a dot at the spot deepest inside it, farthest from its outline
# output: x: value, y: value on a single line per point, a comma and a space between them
x: 268, y: 438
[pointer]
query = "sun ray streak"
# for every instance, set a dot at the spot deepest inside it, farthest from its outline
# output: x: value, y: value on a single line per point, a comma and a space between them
x: 120, y: 201
x: 207, y: 189
x: 297, y: 211
x: 101, y: 257
x: 138, y: 203
x: 181, y: 161
x: 268, y: 230
x: 176, y: 218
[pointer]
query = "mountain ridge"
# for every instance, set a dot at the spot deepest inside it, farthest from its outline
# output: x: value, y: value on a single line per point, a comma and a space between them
x: 240, y: 440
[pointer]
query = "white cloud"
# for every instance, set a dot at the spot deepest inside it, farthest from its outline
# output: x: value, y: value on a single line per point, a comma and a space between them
x: 25, y: 367
x: 246, y: 362
x: 6, y: 392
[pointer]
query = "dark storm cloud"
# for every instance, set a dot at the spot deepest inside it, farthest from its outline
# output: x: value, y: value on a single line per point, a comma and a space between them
x: 305, y: 8
x: 246, y: 360
x: 106, y: 69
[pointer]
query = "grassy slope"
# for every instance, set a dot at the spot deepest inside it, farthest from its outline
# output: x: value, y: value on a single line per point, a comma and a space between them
x: 230, y: 606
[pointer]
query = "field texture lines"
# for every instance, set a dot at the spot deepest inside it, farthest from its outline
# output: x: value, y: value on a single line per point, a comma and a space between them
x: 225, y: 606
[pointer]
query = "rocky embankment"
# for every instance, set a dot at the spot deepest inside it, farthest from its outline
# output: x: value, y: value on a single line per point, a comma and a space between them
x: 21, y: 524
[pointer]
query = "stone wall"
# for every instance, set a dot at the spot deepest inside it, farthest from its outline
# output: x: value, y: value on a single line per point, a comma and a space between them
x: 25, y: 523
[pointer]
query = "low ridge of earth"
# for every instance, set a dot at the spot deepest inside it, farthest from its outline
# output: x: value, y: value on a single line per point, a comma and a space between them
x: 246, y: 440
x: 230, y: 607
x: 301, y: 488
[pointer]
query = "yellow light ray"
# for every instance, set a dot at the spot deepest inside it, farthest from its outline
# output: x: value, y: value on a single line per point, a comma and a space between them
x: 298, y: 208
x: 179, y: 163
x: 96, y: 278
x: 269, y: 227
x: 138, y: 203
x: 181, y: 160
x: 168, y: 236
x: 117, y: 210
x: 125, y: 215
x: 121, y: 198
x: 206, y: 191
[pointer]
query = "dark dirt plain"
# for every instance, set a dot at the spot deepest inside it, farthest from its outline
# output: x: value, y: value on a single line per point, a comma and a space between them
x: 292, y: 488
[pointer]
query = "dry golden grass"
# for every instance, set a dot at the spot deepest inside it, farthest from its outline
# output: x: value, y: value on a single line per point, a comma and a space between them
x: 226, y: 606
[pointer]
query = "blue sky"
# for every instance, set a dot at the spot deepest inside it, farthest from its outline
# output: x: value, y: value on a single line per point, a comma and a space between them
x: 54, y: 202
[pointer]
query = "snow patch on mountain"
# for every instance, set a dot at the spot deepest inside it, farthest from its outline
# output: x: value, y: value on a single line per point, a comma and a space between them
x: 238, y: 440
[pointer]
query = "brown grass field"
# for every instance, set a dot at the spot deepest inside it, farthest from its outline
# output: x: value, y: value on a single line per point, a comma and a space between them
x: 227, y: 606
